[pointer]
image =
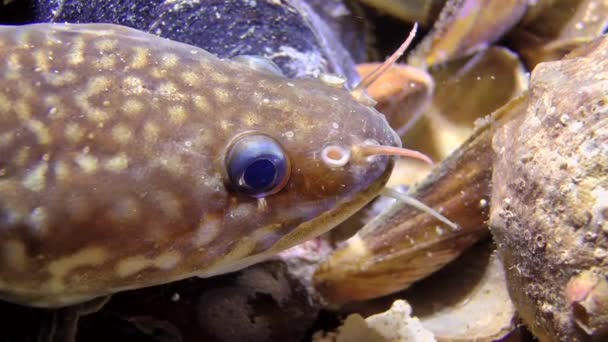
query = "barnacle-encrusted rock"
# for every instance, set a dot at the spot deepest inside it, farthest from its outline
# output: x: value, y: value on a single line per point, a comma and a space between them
x: 549, y: 212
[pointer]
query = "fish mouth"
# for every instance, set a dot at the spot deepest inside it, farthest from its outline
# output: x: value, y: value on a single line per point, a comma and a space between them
x: 315, y: 226
x: 333, y: 217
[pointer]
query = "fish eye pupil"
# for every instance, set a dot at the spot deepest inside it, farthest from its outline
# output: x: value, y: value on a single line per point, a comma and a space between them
x: 256, y: 165
x: 260, y: 174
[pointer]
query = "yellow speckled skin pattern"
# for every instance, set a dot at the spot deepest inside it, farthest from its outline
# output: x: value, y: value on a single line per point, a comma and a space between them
x: 112, y: 152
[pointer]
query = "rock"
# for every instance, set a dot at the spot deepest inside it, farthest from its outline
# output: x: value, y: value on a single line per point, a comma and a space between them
x: 549, y: 213
x: 261, y: 303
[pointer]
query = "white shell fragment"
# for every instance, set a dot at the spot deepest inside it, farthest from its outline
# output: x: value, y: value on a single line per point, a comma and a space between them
x: 396, y: 324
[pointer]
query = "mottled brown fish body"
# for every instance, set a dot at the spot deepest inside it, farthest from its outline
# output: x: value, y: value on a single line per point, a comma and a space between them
x: 112, y: 173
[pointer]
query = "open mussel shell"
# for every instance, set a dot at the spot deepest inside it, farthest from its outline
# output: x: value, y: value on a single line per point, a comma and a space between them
x: 435, y: 110
x: 466, y: 89
x: 552, y: 28
x: 468, y: 300
x: 549, y: 213
x: 465, y: 27
x: 403, y: 244
x: 403, y: 93
x: 421, y: 11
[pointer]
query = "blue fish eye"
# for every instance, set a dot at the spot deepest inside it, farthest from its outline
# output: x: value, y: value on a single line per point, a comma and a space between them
x: 257, y: 165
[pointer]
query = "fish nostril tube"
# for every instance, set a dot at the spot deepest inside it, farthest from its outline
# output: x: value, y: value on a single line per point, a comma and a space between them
x: 335, y: 156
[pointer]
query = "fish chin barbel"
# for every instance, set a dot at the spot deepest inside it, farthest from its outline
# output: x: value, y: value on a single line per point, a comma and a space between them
x: 371, y: 148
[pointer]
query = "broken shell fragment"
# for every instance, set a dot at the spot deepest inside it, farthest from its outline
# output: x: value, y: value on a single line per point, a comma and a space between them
x: 403, y: 244
x: 396, y: 324
x: 550, y: 196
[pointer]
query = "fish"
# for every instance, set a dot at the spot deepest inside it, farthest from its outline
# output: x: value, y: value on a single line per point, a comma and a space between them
x: 128, y: 160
